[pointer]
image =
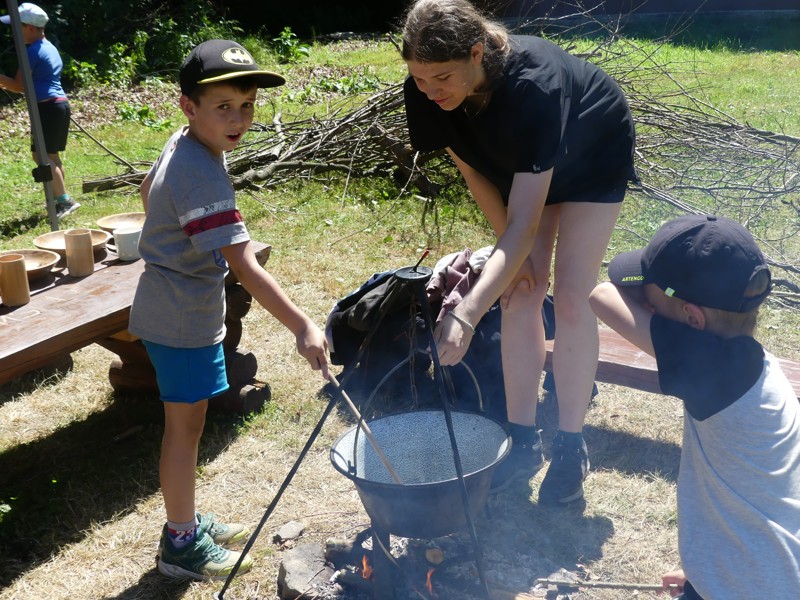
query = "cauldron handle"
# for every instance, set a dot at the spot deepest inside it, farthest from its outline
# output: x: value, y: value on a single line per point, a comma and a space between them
x: 397, y: 367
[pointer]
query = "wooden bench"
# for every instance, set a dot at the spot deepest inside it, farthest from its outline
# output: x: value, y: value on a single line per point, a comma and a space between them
x: 622, y: 363
x: 67, y: 313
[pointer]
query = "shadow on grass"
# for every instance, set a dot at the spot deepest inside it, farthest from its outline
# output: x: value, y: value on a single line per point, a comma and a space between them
x: 92, y: 471
x: 750, y: 32
x: 168, y: 589
x: 30, y: 382
x: 13, y: 227
x: 632, y: 455
x: 615, y: 450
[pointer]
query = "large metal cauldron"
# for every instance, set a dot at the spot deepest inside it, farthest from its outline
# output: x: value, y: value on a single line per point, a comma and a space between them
x: 428, y: 503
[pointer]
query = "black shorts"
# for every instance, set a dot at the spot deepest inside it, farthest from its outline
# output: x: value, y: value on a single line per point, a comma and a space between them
x: 54, y: 116
x: 600, y: 192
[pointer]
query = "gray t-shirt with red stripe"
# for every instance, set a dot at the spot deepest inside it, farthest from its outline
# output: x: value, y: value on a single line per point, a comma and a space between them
x: 191, y: 214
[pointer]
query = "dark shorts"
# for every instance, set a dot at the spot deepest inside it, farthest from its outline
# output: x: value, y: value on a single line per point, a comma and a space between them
x: 689, y: 593
x: 604, y: 192
x: 54, y: 116
x: 188, y: 374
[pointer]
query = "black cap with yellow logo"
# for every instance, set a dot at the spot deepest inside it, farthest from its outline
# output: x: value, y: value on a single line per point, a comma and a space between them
x: 220, y: 60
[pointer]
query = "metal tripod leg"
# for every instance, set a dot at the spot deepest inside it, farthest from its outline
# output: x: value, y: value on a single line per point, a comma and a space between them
x: 334, y: 397
x: 274, y: 503
x: 445, y: 392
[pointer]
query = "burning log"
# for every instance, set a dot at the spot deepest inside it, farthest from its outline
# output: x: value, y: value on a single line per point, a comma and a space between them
x: 354, y: 580
x: 506, y: 595
x: 434, y: 556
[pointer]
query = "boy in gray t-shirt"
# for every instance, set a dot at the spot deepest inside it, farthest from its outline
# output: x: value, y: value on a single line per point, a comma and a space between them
x: 192, y: 236
x: 690, y: 298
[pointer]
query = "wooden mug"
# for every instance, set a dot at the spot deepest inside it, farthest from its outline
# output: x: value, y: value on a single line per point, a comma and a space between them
x: 80, y: 256
x: 14, y: 280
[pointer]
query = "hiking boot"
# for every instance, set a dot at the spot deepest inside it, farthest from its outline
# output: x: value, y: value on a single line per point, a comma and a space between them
x: 224, y: 534
x: 66, y: 207
x: 569, y: 466
x: 524, y: 459
x: 201, y: 559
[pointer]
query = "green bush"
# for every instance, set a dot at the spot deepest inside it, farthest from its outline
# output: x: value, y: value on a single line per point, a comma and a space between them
x: 288, y: 47
x: 129, y: 40
x: 144, y: 115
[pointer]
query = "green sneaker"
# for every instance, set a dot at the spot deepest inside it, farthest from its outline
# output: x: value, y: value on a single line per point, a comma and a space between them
x: 224, y: 534
x: 202, y: 559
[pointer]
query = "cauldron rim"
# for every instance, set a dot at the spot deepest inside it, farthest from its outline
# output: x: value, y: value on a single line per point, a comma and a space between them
x: 428, y: 485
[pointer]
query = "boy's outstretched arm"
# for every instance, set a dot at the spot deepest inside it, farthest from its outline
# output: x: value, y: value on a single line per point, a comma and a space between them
x: 144, y: 189
x: 625, y: 311
x: 311, y: 342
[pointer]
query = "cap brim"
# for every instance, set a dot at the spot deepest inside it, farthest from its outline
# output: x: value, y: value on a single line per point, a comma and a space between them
x: 6, y: 19
x: 626, y: 269
x: 265, y: 78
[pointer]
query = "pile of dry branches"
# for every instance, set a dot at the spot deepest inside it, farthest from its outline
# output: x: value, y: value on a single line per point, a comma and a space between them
x: 690, y: 155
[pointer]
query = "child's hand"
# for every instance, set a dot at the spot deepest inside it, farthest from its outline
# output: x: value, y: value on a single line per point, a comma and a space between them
x: 312, y: 345
x: 673, y: 582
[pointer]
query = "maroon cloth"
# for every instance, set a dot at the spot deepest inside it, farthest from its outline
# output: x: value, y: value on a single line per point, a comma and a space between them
x: 451, y: 284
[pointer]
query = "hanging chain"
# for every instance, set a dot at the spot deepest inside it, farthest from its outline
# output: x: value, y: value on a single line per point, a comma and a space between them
x: 412, y: 350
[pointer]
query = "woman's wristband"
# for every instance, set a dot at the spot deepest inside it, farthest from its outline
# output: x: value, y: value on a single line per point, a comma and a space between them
x: 464, y: 322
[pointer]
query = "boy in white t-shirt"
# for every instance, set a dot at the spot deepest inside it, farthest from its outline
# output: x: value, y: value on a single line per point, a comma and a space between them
x: 690, y: 298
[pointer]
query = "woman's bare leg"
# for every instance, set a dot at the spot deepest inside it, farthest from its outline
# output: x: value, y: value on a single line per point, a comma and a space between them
x: 522, y: 330
x: 584, y: 232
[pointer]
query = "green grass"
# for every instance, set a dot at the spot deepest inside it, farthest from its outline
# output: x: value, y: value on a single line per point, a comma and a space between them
x: 76, y: 502
x: 742, y: 73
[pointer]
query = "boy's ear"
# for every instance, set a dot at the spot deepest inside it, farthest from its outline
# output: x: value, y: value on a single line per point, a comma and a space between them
x: 188, y: 106
x: 695, y: 317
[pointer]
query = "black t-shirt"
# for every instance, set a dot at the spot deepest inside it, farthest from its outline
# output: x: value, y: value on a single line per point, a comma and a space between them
x: 550, y: 110
x: 707, y: 372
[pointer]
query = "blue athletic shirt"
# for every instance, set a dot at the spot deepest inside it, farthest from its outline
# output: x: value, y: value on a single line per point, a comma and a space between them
x: 46, y: 65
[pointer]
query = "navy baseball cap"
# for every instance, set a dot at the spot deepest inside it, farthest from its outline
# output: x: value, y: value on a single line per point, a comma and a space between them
x: 220, y: 60
x: 702, y: 259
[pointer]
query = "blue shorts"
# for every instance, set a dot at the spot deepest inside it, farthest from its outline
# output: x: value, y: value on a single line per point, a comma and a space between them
x: 188, y: 374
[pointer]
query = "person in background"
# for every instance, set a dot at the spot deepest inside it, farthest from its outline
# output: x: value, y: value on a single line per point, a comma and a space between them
x: 54, y: 109
x: 544, y: 141
x: 192, y: 236
x: 690, y: 299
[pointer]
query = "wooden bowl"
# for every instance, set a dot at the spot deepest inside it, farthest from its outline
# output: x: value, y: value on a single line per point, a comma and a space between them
x: 54, y: 241
x: 112, y: 222
x: 38, y: 263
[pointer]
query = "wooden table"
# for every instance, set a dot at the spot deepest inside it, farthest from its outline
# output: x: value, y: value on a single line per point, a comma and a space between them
x: 67, y: 313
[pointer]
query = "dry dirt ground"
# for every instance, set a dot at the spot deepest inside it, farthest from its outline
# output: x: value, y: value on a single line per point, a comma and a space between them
x: 93, y: 511
x: 82, y: 509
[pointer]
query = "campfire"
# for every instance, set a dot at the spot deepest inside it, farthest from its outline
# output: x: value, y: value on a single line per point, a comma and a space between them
x: 417, y: 569
x: 366, y: 570
x: 437, y: 569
